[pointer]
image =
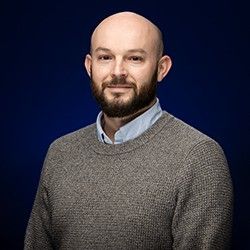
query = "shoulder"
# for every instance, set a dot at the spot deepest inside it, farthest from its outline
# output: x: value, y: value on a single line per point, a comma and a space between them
x: 200, y: 159
x: 198, y: 152
x: 66, y: 148
x: 184, y: 136
x: 74, y: 139
x: 191, y: 146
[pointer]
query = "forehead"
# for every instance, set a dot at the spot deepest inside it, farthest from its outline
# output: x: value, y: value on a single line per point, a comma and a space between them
x: 124, y: 35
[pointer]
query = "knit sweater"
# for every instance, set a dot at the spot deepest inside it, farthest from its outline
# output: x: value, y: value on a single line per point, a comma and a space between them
x: 169, y: 188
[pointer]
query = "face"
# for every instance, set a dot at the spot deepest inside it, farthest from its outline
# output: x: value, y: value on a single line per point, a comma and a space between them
x: 126, y: 99
x: 124, y: 67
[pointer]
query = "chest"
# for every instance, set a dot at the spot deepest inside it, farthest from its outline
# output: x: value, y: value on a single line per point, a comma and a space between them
x: 117, y: 198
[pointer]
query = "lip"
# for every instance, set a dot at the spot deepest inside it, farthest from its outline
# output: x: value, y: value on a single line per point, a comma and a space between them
x: 119, y: 86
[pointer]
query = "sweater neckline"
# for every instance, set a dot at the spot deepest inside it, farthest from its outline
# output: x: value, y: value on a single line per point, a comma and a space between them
x: 114, y: 149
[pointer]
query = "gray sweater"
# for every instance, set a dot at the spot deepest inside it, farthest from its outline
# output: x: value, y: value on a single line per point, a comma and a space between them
x: 170, y: 188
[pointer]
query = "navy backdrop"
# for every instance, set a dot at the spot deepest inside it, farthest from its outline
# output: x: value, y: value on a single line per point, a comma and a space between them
x: 45, y: 91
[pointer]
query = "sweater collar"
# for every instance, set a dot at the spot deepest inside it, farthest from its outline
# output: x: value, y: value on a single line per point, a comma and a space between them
x: 114, y: 149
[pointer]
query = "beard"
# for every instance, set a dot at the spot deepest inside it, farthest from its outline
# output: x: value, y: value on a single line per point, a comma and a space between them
x: 140, y: 99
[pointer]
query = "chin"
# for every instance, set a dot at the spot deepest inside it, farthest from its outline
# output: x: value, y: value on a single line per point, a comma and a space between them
x: 119, y: 99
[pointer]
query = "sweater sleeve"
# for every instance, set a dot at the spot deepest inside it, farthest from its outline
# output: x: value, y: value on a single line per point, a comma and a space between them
x: 38, y: 232
x: 203, y: 212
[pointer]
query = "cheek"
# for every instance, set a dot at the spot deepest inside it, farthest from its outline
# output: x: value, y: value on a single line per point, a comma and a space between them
x: 142, y: 79
x: 100, y: 72
x: 142, y: 75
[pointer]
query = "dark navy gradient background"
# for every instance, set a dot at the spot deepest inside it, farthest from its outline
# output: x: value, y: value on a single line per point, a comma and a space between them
x: 45, y: 92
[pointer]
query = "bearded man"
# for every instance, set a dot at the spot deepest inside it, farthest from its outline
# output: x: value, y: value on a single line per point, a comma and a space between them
x: 139, y: 178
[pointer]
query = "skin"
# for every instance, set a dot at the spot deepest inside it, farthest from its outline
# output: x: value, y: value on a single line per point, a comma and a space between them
x: 125, y: 45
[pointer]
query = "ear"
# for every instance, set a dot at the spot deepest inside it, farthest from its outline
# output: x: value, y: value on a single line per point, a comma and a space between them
x: 88, y: 63
x: 164, y: 66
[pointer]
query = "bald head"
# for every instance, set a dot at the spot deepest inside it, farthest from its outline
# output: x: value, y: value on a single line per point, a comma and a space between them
x: 128, y: 28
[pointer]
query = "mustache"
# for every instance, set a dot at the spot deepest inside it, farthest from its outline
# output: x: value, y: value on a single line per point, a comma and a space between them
x: 118, y: 81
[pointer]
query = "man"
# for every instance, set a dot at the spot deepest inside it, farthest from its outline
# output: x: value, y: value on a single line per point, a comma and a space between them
x: 139, y: 178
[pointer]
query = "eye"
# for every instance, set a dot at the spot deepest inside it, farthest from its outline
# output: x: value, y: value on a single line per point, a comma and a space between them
x: 104, y: 57
x: 136, y: 58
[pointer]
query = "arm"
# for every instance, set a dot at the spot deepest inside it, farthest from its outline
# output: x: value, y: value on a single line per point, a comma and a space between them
x: 38, y: 232
x: 203, y: 213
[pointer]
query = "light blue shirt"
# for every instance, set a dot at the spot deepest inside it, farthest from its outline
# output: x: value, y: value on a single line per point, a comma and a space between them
x: 132, y: 129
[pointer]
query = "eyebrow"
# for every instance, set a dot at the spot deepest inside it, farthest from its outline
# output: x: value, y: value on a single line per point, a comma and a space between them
x: 142, y: 51
x: 102, y: 49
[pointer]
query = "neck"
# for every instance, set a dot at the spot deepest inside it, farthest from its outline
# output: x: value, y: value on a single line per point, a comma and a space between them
x: 112, y: 124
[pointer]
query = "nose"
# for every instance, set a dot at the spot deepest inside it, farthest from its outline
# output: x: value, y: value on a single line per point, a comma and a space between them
x: 119, y: 69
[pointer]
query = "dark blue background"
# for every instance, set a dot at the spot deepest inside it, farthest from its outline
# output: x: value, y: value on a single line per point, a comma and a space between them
x: 45, y: 91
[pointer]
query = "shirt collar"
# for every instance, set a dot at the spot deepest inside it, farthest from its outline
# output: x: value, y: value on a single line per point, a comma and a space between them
x: 132, y: 129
